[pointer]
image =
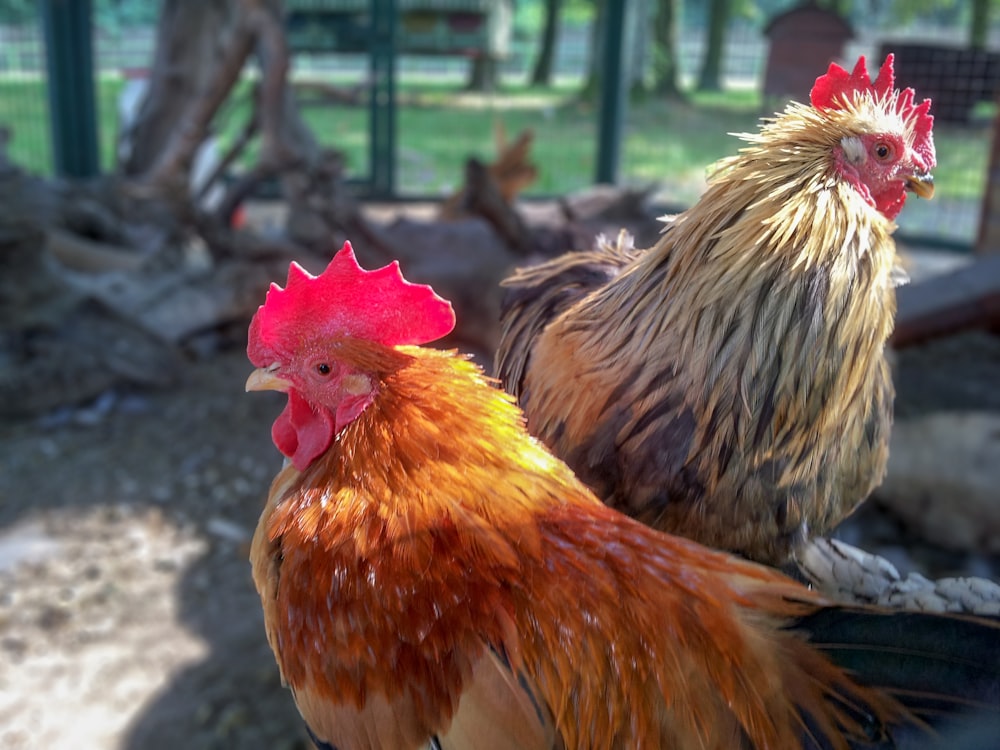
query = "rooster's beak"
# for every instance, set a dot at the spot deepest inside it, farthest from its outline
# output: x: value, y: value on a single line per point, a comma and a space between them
x: 921, y: 184
x: 265, y: 379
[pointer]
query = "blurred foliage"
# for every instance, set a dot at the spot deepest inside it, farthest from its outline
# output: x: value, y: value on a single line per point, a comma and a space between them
x: 113, y: 15
x: 109, y: 15
x: 18, y: 12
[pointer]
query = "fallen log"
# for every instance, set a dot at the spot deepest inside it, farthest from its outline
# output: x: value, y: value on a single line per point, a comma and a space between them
x: 943, y: 305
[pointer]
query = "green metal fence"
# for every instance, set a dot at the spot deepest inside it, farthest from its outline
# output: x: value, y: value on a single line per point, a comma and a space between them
x: 438, y: 123
x: 24, y: 107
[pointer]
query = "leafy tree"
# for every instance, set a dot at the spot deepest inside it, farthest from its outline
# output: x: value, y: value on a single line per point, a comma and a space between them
x: 719, y: 12
x: 591, y: 82
x: 114, y: 15
x: 666, y: 60
x: 976, y: 14
x: 484, y: 74
x: 110, y: 15
x: 638, y: 43
x: 18, y: 12
x: 979, y: 23
x: 840, y: 7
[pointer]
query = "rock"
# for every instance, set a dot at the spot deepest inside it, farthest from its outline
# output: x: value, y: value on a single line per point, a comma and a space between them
x: 943, y: 479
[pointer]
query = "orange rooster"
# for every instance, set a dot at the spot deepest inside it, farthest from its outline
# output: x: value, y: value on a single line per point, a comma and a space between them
x: 729, y: 384
x: 431, y: 576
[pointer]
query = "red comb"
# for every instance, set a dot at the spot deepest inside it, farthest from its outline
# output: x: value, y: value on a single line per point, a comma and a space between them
x: 838, y: 87
x: 347, y: 300
x: 833, y: 90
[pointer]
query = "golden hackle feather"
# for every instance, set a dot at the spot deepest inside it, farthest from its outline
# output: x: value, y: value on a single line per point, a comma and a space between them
x: 729, y: 383
x: 436, y: 545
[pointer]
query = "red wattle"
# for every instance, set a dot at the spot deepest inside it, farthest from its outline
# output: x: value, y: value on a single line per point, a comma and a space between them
x: 302, y: 433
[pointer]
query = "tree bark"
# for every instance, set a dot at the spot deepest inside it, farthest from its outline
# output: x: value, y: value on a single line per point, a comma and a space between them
x: 484, y: 74
x: 666, y: 61
x: 541, y: 74
x: 189, y: 83
x: 591, y: 84
x: 637, y: 44
x: 979, y: 24
x: 191, y: 39
x: 715, y: 37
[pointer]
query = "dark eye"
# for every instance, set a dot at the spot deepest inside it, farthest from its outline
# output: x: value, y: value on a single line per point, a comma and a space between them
x: 323, y: 369
x: 882, y: 151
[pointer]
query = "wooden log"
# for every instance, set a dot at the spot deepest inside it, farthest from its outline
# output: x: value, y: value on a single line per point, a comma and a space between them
x: 988, y: 237
x: 81, y: 254
x: 943, y: 305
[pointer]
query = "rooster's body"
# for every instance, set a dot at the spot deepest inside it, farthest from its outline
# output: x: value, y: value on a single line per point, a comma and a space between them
x: 729, y: 384
x: 431, y: 576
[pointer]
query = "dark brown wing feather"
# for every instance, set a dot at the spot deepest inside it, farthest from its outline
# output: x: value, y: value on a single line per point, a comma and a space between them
x: 538, y: 294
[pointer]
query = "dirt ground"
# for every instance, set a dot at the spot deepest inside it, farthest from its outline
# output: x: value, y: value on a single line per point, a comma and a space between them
x: 127, y: 615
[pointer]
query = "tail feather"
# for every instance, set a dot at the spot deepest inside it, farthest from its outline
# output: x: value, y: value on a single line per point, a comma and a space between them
x: 941, y: 668
x: 539, y: 294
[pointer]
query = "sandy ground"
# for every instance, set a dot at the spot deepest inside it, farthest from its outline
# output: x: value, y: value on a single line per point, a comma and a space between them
x: 127, y: 614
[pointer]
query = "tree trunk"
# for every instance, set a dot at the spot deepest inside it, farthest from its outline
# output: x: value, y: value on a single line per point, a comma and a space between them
x: 666, y: 61
x: 541, y: 74
x: 195, y: 72
x: 711, y: 70
x: 202, y: 49
x: 484, y: 74
x: 979, y: 24
x: 637, y: 39
x: 591, y: 84
x: 191, y: 39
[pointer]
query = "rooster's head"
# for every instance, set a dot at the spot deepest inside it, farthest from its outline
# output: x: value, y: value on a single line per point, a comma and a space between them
x: 886, y: 144
x: 320, y: 340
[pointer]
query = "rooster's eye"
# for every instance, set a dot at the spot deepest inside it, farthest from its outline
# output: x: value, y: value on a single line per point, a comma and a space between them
x: 882, y: 151
x: 323, y: 368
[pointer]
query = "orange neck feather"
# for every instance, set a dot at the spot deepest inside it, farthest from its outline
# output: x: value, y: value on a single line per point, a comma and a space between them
x: 398, y: 545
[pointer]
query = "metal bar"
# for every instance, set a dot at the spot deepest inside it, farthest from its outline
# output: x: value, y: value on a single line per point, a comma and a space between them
x: 612, y: 92
x: 383, y: 98
x: 66, y: 25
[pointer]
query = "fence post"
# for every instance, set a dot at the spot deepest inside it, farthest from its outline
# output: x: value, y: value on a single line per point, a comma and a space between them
x: 383, y: 98
x: 66, y: 26
x: 612, y: 94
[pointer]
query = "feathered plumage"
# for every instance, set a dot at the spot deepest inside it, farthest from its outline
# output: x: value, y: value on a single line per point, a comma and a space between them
x: 729, y: 384
x: 433, y: 576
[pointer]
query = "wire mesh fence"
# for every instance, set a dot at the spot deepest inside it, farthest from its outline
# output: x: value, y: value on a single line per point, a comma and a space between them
x: 441, y: 123
x: 24, y: 109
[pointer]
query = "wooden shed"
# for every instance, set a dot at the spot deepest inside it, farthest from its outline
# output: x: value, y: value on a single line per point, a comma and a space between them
x: 803, y: 42
x: 469, y: 28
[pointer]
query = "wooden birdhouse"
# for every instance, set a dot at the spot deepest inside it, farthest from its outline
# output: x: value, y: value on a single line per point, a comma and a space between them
x: 803, y: 42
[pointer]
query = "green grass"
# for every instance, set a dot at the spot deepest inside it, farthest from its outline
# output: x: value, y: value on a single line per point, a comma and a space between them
x: 24, y: 108
x: 439, y: 127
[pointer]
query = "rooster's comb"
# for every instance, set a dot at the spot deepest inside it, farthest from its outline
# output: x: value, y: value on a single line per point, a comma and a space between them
x: 346, y: 300
x: 838, y: 89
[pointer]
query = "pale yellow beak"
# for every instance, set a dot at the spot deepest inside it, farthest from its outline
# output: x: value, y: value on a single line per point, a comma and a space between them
x: 922, y: 185
x: 265, y: 379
